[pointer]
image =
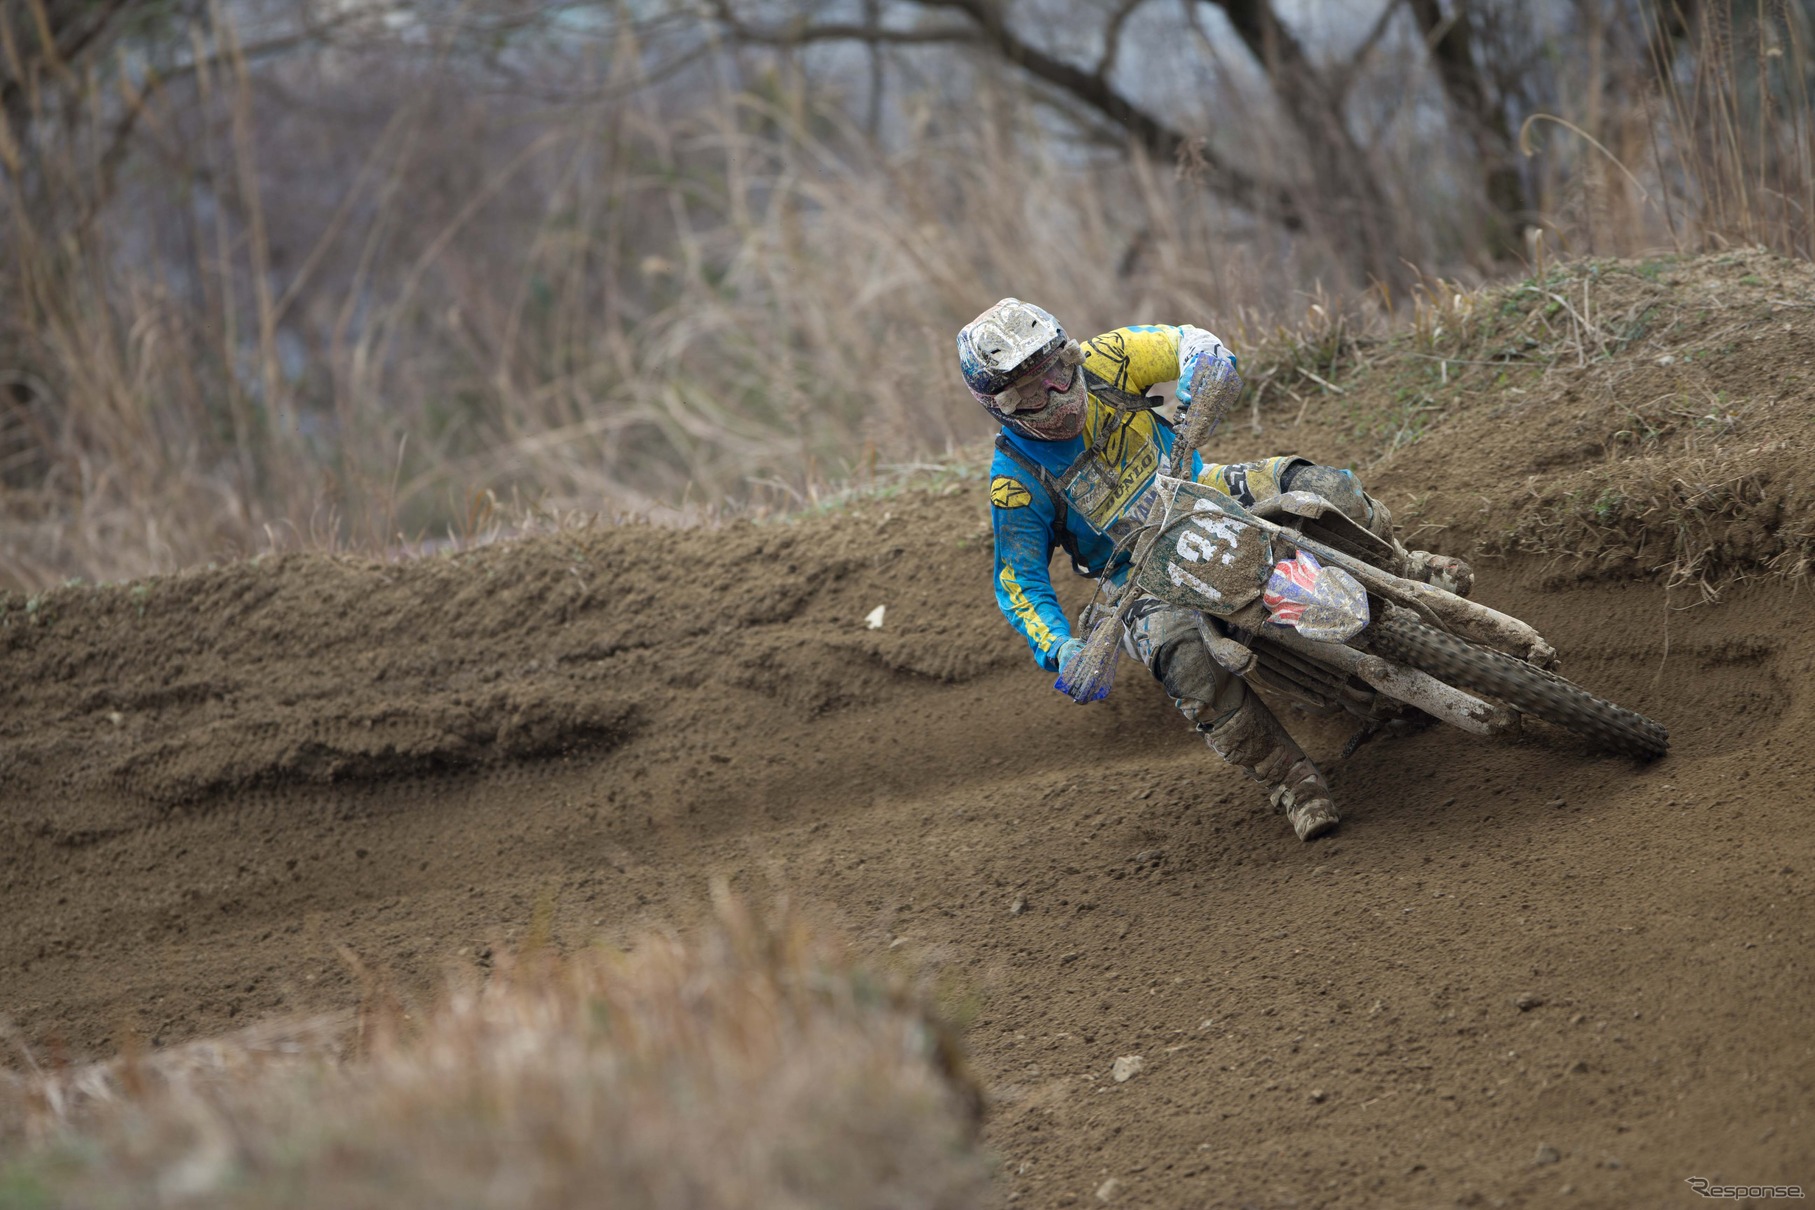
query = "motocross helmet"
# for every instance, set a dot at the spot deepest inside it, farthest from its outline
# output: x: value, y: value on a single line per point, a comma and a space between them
x: 1022, y: 367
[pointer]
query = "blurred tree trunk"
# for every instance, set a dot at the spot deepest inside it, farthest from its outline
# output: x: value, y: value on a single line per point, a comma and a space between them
x: 58, y: 58
x: 1670, y: 22
x: 44, y: 43
x: 1451, y: 42
x: 986, y: 27
x: 1348, y: 201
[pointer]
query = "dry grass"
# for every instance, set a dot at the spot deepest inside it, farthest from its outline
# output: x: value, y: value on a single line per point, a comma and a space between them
x: 1662, y: 403
x: 1701, y: 488
x: 1689, y: 455
x: 344, y: 296
x: 754, y: 1066
x: 664, y: 307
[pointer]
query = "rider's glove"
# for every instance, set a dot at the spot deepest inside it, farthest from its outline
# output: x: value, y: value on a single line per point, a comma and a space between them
x: 1077, y: 680
x: 1208, y: 385
x: 1209, y: 376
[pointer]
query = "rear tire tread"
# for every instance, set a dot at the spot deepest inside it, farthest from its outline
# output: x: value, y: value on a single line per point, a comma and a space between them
x: 1525, y: 687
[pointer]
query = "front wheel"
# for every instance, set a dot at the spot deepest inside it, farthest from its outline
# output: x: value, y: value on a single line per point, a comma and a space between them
x: 1526, y: 688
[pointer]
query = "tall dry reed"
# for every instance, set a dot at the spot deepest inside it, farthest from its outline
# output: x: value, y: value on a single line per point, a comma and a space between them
x: 357, y: 293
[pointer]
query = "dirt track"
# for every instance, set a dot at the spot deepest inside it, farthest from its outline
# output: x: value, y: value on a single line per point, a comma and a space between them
x: 214, y: 782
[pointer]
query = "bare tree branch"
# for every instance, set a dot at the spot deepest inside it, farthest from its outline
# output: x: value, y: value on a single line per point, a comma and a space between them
x: 1358, y: 218
x: 1668, y: 26
x: 80, y: 40
x: 61, y: 38
x: 872, y: 125
x: 1155, y: 135
x: 1112, y: 36
x: 1450, y: 40
x: 1091, y: 89
x: 1344, y: 78
x: 799, y: 33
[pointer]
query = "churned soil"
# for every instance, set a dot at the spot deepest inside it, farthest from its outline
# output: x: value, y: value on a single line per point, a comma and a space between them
x: 1520, y: 973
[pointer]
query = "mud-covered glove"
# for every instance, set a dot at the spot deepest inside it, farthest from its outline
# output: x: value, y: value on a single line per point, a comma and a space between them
x: 1086, y: 671
x: 1209, y: 378
x: 1208, y: 384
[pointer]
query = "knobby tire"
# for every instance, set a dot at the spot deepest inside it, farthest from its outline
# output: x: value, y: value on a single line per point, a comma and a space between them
x: 1524, y: 687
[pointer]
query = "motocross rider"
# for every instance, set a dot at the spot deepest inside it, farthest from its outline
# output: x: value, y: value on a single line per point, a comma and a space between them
x: 1075, y: 465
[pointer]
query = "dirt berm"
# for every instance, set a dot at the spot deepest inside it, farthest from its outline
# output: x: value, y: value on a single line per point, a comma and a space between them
x: 1519, y: 974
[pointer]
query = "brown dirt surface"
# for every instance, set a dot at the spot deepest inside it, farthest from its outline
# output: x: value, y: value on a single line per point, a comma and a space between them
x: 1522, y: 974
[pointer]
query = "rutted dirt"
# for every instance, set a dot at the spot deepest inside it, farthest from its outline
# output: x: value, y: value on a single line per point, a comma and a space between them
x: 1522, y: 974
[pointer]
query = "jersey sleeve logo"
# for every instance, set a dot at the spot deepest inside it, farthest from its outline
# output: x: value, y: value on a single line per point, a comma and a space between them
x: 1108, y: 357
x: 1005, y: 491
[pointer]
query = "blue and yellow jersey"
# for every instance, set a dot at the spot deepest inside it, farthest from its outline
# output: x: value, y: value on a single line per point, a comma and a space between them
x: 1137, y: 447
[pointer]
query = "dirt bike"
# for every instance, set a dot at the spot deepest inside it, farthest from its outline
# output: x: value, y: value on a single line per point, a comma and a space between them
x: 1297, y: 598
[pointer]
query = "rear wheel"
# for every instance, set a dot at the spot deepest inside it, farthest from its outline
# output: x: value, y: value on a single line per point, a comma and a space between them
x: 1524, y: 687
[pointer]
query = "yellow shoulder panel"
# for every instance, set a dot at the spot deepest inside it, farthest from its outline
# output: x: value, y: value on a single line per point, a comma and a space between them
x: 1133, y: 359
x: 1265, y: 475
x: 1216, y: 474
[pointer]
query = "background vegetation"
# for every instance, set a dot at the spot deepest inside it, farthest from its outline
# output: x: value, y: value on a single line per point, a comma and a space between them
x: 373, y: 272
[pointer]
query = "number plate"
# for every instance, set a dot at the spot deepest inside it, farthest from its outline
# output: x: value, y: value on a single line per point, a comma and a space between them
x: 1206, y: 556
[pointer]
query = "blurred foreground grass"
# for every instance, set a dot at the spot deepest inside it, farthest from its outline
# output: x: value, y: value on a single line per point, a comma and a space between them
x: 754, y: 1065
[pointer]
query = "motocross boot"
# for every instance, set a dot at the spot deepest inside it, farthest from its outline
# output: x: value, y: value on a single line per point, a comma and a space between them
x: 1235, y: 723
x: 1250, y: 738
x: 1440, y: 571
x: 1343, y: 490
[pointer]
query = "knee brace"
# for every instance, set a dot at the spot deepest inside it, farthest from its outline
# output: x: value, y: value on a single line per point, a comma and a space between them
x: 1165, y: 638
x: 1342, y: 489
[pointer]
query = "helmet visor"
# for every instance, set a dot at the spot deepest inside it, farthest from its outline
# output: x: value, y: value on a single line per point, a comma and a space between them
x: 1054, y: 373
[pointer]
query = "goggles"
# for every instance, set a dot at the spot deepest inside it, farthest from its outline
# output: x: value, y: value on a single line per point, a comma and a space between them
x: 1056, y: 372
